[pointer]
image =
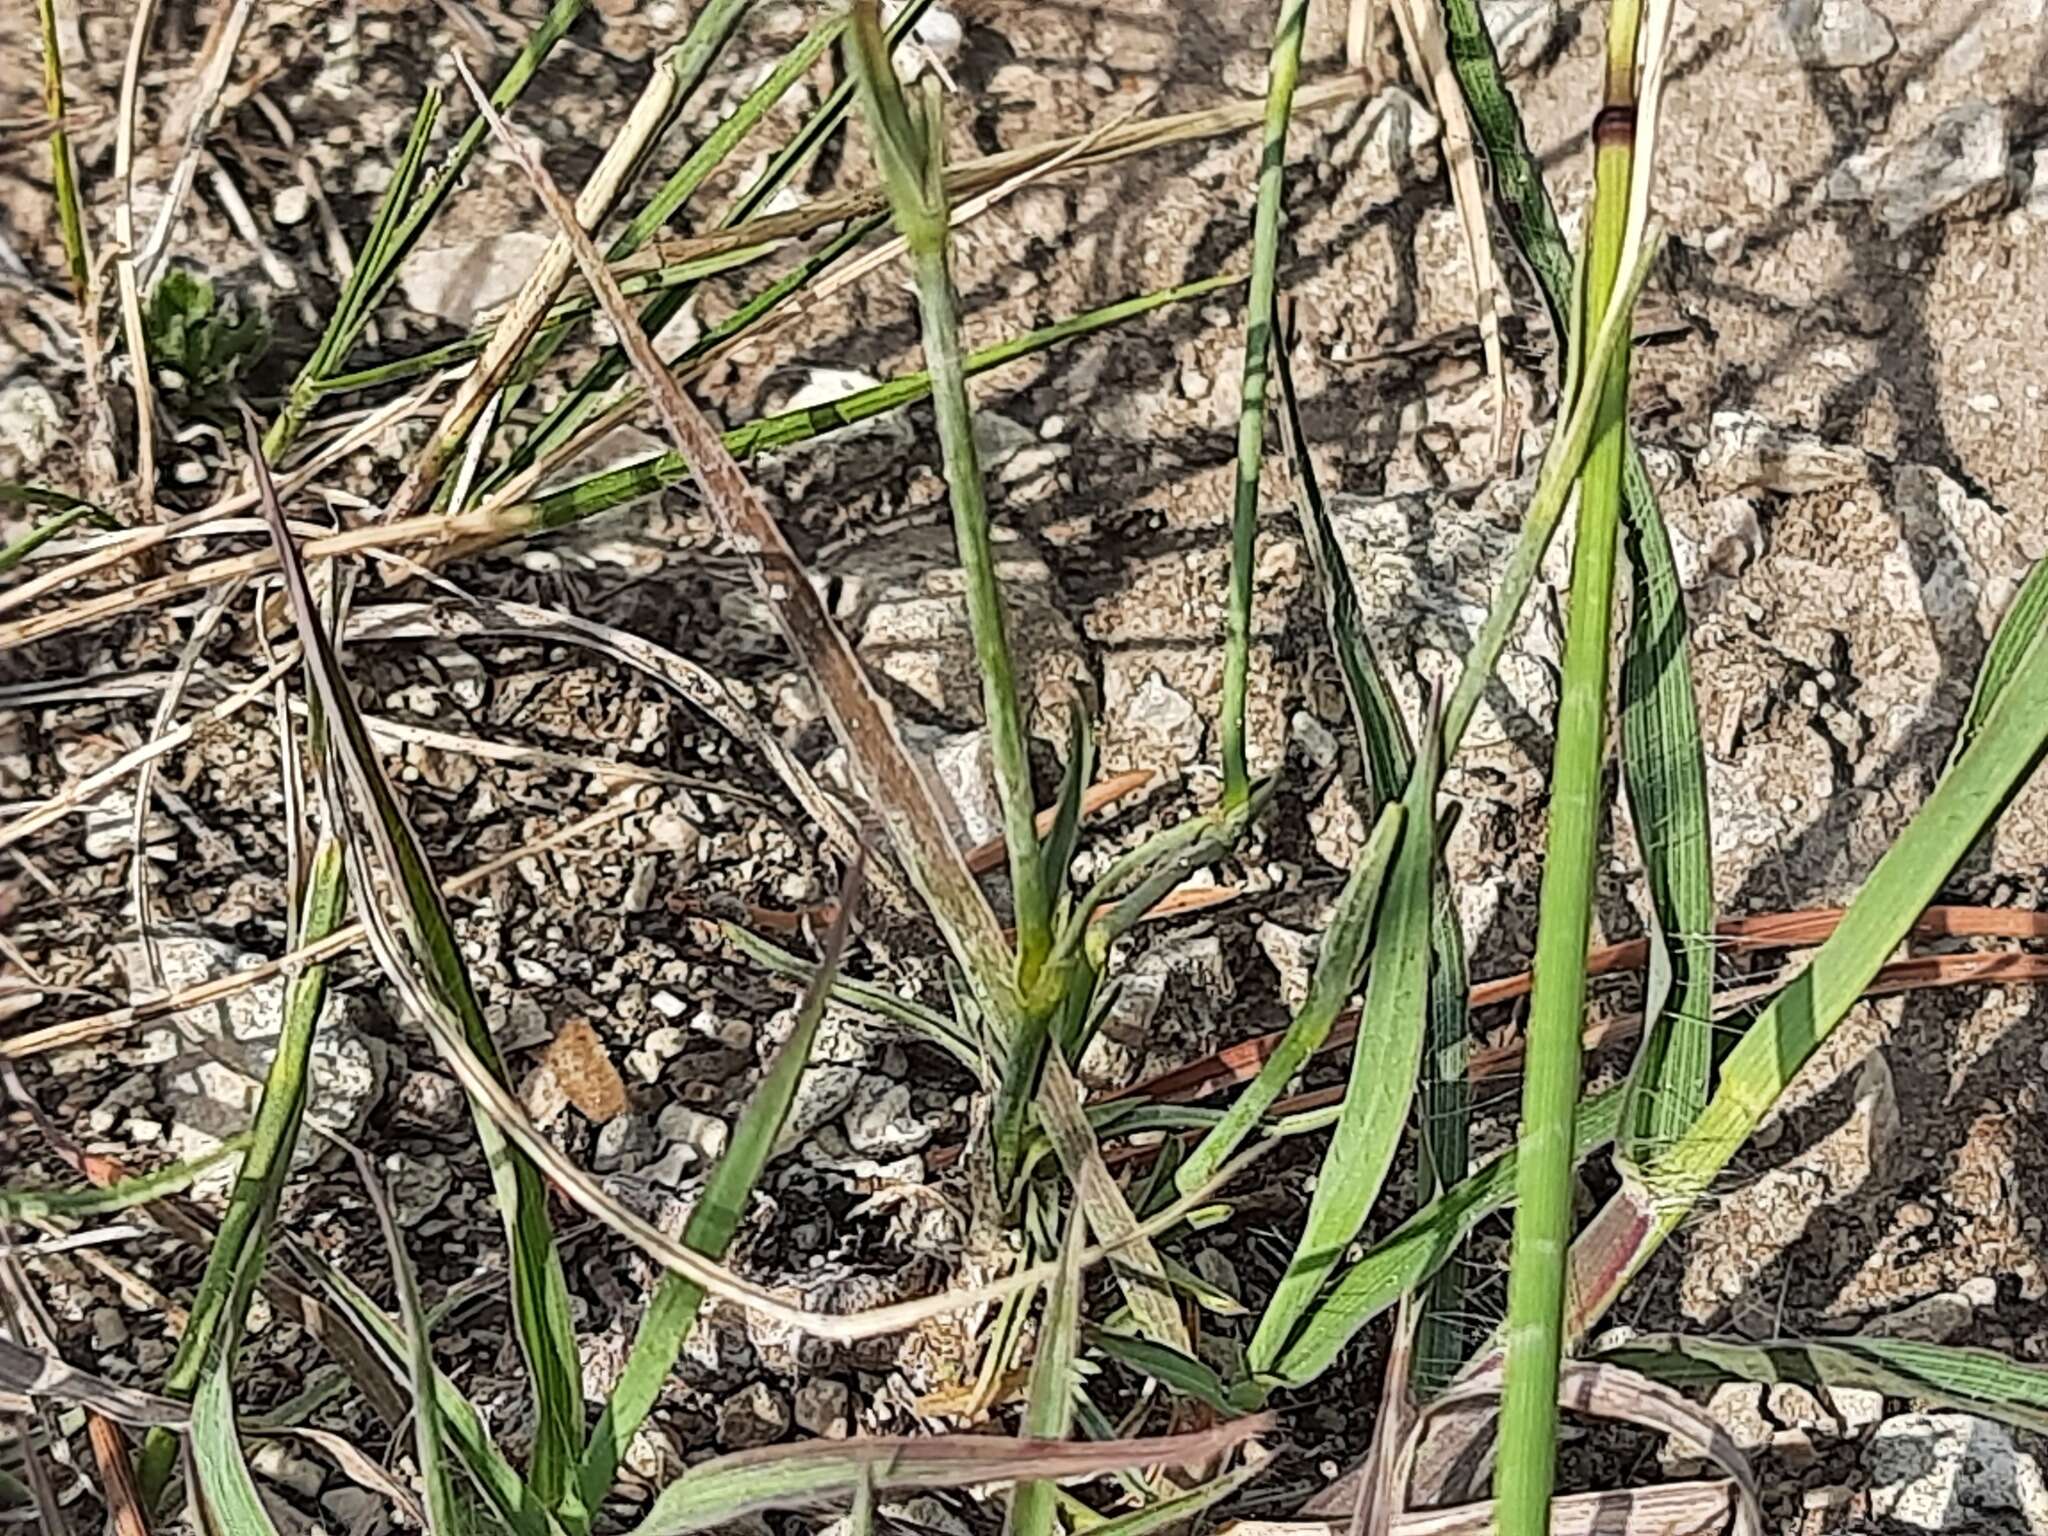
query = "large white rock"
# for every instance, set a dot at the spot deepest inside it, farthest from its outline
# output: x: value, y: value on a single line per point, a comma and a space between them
x: 1962, y: 161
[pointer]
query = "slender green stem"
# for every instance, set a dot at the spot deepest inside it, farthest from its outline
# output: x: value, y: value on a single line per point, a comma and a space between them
x: 1283, y: 69
x: 235, y: 1261
x: 63, y: 164
x: 910, y: 152
x: 1550, y: 1087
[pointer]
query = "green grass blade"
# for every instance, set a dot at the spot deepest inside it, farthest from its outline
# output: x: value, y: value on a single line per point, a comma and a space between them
x: 673, y: 1310
x: 1385, y: 1063
x: 71, y: 512
x: 2022, y: 621
x: 670, y: 199
x: 443, y: 1513
x: 1444, y: 1093
x: 508, y: 1494
x: 560, y: 320
x: 1406, y: 1257
x: 173, y: 1179
x: 599, y: 493
x: 1339, y: 964
x: 236, y: 1259
x: 927, y: 1024
x: 1978, y: 1381
x: 584, y: 396
x: 225, y: 1486
x: 1282, y: 71
x: 911, y: 157
x: 1178, y: 1372
x: 1991, y: 768
x: 1663, y: 759
x: 1136, y: 1263
x: 1049, y: 1398
x: 1178, y: 1512
x: 373, y: 270
x: 63, y: 162
x: 1064, y: 835
x: 540, y: 1292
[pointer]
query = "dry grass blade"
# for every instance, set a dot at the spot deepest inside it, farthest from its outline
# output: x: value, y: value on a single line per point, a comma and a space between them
x: 1422, y: 31
x: 28, y: 1375
x: 1668, y: 1509
x: 802, y: 1476
x: 1606, y: 1392
x: 899, y: 790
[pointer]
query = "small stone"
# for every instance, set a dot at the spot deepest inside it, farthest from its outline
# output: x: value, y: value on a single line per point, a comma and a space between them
x: 668, y: 1005
x: 1293, y: 954
x: 1522, y: 31
x: 457, y: 283
x: 1388, y: 139
x: 1953, y: 1472
x: 543, y: 1095
x: 30, y: 425
x: 1858, y: 1408
x: 703, y: 1136
x: 109, y: 1331
x: 1746, y: 452
x: 353, y: 1509
x: 1962, y: 163
x: 291, y: 205
x: 1837, y: 34
x: 880, y: 1122
x: 430, y: 1101
x: 1158, y: 715
x: 622, y: 1144
x: 299, y: 1474
x: 755, y: 1416
x: 1931, y: 1320
x: 653, y: 1454
x: 1980, y: 1290
x: 1194, y: 383
x: 821, y: 1408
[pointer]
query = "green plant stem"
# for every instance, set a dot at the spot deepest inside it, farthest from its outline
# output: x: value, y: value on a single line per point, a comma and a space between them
x: 1282, y: 71
x: 909, y: 150
x: 1550, y: 1089
x: 235, y: 1261
x: 63, y: 164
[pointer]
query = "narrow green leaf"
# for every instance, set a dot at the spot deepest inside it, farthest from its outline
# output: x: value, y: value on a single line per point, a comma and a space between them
x: 172, y: 1179
x: 443, y: 1513
x: 235, y: 1262
x: 1384, y: 1066
x: 70, y: 512
x: 1979, y: 1381
x: 1049, y: 1398
x: 510, y: 1498
x: 1663, y: 757
x: 927, y: 1024
x: 673, y: 1310
x: 1169, y: 1367
x: 910, y: 156
x: 1339, y: 964
x: 599, y: 493
x: 1415, y: 1250
x: 1444, y: 1092
x: 582, y: 402
x: 540, y: 1292
x: 1065, y: 832
x: 225, y: 1485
